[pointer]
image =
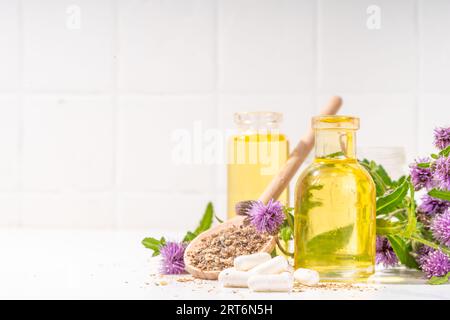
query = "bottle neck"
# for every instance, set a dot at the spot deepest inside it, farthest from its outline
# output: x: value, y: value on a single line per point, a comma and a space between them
x: 335, y: 144
x: 257, y: 122
x: 258, y: 128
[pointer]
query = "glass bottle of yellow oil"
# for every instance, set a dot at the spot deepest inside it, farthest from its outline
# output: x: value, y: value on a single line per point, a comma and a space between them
x: 255, y: 154
x: 335, y: 206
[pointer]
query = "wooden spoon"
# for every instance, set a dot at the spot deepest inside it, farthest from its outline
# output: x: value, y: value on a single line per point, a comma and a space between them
x: 273, y: 190
x: 213, y: 275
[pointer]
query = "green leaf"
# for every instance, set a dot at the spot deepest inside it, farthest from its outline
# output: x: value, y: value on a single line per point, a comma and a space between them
x: 205, y: 223
x: 207, y: 219
x: 308, y: 201
x: 189, y: 236
x: 274, y: 253
x: 402, y: 250
x: 434, y: 156
x: 440, y: 194
x: 289, y: 217
x: 399, y: 181
x: 330, y: 241
x: 154, y: 244
x: 439, y: 280
x: 288, y: 210
x: 386, y: 227
x: 372, y: 168
x: 412, y: 220
x: 391, y: 201
x: 335, y: 155
x: 286, y: 233
x: 151, y: 243
x: 445, y: 152
x: 384, y: 175
x: 424, y: 165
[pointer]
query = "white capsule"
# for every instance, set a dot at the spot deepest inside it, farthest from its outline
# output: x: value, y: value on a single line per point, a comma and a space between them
x: 246, y: 262
x: 282, y: 282
x: 276, y: 265
x: 232, y: 278
x: 307, y: 277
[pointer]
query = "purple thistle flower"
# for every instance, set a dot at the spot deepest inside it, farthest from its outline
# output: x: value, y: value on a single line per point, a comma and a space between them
x: 384, y: 252
x: 442, y: 172
x: 266, y: 218
x: 435, y: 263
x: 441, y: 228
x: 442, y: 138
x: 172, y: 258
x: 421, y: 177
x: 432, y: 206
x: 422, y: 254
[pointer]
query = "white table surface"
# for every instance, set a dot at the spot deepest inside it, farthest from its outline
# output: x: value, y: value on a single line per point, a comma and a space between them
x: 68, y: 264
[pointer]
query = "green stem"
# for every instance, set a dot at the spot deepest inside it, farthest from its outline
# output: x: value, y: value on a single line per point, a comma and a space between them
x: 280, y: 246
x: 394, y: 213
x: 430, y: 244
x: 412, y: 221
x: 289, y: 219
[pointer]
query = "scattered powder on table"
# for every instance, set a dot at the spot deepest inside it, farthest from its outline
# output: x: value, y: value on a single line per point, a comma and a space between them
x: 185, y: 279
x: 331, y: 286
x: 217, y: 252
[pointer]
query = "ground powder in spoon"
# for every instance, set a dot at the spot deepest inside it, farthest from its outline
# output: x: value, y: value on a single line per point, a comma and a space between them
x: 217, y: 251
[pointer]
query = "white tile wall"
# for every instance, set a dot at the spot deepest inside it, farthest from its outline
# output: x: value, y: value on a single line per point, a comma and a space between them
x: 68, y: 209
x: 434, y: 112
x: 67, y: 143
x: 93, y: 92
x: 385, y: 119
x: 146, y: 136
x: 266, y: 46
x: 9, y: 142
x: 166, y: 46
x: 10, y: 209
x: 58, y: 55
x: 435, y: 45
x: 10, y: 39
x: 176, y: 212
x: 357, y: 59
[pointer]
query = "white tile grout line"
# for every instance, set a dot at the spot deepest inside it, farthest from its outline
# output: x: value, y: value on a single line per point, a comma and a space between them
x: 115, y: 107
x: 64, y: 92
x: 317, y: 52
x: 21, y: 109
x: 216, y: 58
x: 418, y: 85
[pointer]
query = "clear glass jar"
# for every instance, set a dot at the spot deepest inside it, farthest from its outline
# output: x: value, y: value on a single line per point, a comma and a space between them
x: 255, y: 154
x: 335, y: 206
x: 393, y: 159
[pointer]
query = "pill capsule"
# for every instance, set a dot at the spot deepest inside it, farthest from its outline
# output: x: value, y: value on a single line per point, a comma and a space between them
x: 307, y: 277
x: 247, y: 262
x: 273, y: 266
x: 282, y: 282
x: 232, y: 278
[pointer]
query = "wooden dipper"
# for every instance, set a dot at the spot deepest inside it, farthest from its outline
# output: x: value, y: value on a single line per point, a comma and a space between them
x: 272, y: 191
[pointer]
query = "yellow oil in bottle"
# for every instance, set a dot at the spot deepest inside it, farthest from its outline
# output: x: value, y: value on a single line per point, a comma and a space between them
x: 335, y: 206
x: 254, y: 157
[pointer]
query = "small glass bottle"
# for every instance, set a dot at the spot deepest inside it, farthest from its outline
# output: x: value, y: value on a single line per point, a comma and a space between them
x: 255, y: 154
x: 335, y: 206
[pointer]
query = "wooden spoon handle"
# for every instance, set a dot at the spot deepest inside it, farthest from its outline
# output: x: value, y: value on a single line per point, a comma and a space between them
x: 297, y: 156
